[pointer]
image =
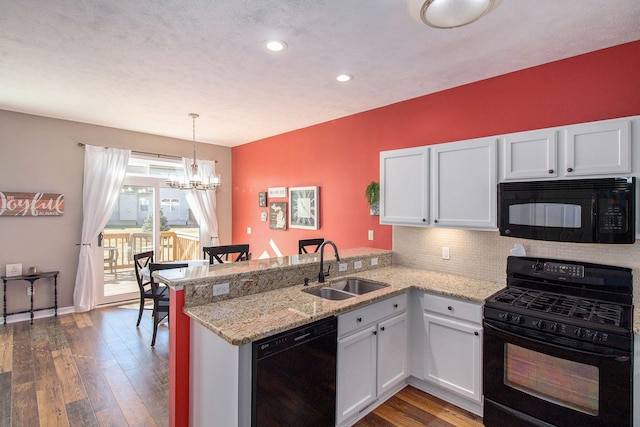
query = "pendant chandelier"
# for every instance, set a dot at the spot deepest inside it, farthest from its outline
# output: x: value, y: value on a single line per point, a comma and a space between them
x: 195, y: 180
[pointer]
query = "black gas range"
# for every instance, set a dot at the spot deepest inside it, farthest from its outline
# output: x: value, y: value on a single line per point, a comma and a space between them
x: 558, y: 345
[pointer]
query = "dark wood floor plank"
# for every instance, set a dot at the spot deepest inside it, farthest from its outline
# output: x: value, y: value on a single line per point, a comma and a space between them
x: 439, y: 408
x: 5, y: 399
x: 80, y: 414
x: 111, y: 417
x: 24, y: 408
x: 68, y: 376
x: 100, y: 395
x: 51, y: 408
x: 130, y: 403
x: 403, y: 414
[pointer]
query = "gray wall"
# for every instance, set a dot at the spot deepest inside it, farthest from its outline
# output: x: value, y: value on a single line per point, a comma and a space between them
x: 40, y: 154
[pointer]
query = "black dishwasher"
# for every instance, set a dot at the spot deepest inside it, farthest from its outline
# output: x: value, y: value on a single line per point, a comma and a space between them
x: 294, y: 377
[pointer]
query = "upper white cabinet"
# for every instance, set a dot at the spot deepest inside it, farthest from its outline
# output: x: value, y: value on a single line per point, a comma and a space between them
x: 531, y: 154
x: 464, y: 182
x: 404, y: 186
x: 583, y: 150
x: 599, y: 148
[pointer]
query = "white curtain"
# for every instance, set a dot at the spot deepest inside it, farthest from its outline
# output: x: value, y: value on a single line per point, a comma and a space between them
x: 104, y: 172
x: 203, y: 203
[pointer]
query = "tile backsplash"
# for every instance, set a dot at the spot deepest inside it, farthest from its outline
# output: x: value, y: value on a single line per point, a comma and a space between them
x: 483, y: 254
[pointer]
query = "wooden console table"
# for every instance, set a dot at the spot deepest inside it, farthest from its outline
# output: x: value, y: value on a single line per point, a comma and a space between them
x: 31, y: 278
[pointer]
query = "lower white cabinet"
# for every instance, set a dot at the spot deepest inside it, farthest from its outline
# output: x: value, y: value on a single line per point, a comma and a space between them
x: 446, y: 357
x: 454, y: 356
x: 373, y: 358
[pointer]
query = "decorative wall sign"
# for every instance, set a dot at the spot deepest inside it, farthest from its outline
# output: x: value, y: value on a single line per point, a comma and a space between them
x: 14, y: 270
x: 277, y: 192
x: 304, y: 208
x: 31, y: 204
x: 278, y: 215
x: 262, y: 199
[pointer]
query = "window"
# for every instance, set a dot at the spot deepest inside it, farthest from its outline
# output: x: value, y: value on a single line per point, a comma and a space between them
x: 143, y: 202
x: 170, y: 204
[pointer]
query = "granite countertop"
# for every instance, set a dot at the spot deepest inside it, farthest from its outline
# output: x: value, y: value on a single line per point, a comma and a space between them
x: 249, y: 318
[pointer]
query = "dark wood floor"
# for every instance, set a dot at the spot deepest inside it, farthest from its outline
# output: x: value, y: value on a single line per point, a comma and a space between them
x: 87, y: 369
x: 98, y: 369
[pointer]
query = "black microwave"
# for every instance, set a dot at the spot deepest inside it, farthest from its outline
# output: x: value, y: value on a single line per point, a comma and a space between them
x: 580, y: 210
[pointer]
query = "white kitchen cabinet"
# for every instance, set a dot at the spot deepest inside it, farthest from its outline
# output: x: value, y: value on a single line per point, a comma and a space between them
x: 454, y: 356
x: 598, y: 148
x: 586, y: 150
x: 404, y: 186
x: 464, y: 182
x: 372, y: 355
x: 527, y: 155
x: 357, y: 365
x: 393, y: 360
x: 446, y: 350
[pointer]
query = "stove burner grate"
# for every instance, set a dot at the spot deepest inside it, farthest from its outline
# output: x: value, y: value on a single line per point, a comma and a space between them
x: 562, y: 305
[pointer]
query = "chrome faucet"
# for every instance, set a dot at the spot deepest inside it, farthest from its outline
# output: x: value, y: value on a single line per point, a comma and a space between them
x: 323, y: 273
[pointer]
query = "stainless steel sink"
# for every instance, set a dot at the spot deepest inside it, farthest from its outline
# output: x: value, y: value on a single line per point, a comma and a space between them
x: 343, y: 289
x: 357, y: 286
x: 328, y: 293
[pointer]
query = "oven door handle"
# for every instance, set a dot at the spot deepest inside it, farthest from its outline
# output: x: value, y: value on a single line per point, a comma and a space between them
x: 619, y: 356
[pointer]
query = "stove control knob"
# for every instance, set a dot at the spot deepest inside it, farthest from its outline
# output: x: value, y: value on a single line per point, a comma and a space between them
x: 519, y: 320
x: 540, y: 324
x: 596, y: 336
x: 537, y: 266
x: 506, y: 316
x: 555, y: 327
x: 579, y: 333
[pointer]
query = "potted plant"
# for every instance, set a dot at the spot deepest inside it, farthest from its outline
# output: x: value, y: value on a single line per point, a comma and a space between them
x: 372, y: 193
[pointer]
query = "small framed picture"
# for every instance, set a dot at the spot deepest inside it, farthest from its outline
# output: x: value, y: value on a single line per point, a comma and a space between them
x: 278, y: 215
x: 262, y: 199
x: 304, y: 208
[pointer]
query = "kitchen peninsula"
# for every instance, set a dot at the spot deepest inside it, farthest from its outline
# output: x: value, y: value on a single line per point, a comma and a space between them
x: 265, y: 297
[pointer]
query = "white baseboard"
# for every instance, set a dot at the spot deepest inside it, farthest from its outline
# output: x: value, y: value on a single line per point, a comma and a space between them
x: 40, y: 314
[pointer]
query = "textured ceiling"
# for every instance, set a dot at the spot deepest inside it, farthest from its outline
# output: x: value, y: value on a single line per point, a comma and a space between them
x: 144, y: 65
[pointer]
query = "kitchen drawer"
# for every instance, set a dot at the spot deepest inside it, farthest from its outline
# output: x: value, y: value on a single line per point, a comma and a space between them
x: 369, y: 314
x: 452, y: 307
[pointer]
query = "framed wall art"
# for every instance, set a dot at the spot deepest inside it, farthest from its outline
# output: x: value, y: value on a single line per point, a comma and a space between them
x: 304, y: 208
x: 278, y: 215
x: 262, y: 199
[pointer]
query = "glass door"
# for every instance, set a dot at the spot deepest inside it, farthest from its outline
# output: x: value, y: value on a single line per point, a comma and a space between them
x: 147, y: 217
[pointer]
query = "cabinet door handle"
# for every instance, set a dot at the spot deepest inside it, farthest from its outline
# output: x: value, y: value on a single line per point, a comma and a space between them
x: 395, y: 305
x: 450, y: 308
x: 569, y: 169
x: 424, y: 220
x: 476, y: 333
x: 435, y: 221
x: 551, y: 171
x: 382, y: 328
x: 359, y: 319
x: 375, y: 332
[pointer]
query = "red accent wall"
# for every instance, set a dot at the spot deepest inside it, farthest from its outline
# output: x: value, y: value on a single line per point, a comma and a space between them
x: 342, y: 156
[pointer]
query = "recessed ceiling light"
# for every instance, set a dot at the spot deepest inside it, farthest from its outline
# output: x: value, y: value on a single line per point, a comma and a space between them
x: 275, y: 45
x: 342, y: 78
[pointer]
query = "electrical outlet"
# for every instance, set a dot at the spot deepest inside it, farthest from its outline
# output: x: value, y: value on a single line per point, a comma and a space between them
x: 445, y: 253
x: 29, y: 290
x: 248, y: 230
x: 370, y: 234
x: 221, y: 289
x: 342, y: 266
x: 357, y: 264
x: 374, y: 261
